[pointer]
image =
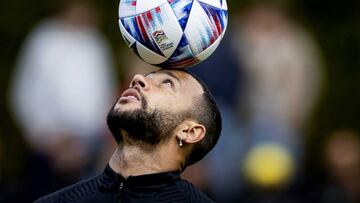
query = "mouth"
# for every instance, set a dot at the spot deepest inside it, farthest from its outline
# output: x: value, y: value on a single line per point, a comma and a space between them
x: 130, y: 95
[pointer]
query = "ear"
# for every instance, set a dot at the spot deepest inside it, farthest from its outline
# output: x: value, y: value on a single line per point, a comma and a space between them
x: 191, y: 132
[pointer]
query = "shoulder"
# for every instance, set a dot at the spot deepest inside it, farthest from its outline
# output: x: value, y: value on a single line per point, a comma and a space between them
x: 194, y: 193
x: 73, y: 193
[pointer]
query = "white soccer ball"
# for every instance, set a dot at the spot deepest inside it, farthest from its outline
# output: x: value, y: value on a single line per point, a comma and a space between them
x: 173, y: 33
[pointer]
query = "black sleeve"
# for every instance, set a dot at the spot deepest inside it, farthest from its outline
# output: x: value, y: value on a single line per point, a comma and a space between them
x: 196, y: 196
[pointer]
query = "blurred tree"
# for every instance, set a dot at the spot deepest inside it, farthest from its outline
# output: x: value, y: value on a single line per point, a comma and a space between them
x: 335, y: 25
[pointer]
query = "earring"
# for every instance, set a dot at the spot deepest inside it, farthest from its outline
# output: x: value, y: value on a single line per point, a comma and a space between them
x: 180, y: 142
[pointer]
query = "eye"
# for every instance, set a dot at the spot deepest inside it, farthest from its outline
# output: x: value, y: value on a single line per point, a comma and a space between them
x: 168, y: 82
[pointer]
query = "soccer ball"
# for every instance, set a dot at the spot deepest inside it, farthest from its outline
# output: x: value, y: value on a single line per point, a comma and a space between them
x: 173, y: 33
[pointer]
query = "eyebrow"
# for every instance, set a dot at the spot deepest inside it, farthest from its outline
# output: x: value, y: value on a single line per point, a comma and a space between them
x: 170, y: 73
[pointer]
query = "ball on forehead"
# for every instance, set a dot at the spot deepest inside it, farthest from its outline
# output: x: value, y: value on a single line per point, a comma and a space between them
x: 173, y: 33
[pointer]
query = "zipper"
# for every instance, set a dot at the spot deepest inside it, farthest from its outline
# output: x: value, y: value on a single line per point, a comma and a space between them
x: 121, y: 187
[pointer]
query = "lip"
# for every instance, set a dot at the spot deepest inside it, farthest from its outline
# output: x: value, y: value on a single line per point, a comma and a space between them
x: 130, y: 94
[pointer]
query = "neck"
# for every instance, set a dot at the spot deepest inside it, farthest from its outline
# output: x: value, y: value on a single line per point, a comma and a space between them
x: 133, y: 160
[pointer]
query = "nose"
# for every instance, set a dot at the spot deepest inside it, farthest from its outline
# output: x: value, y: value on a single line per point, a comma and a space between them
x: 140, y: 81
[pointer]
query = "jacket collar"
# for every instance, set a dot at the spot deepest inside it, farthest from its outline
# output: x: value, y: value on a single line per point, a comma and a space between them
x: 111, y: 181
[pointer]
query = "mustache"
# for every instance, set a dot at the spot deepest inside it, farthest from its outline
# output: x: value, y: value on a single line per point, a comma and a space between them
x: 144, y: 103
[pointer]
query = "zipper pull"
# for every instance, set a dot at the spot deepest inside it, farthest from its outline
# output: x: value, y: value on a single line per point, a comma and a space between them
x: 121, y: 186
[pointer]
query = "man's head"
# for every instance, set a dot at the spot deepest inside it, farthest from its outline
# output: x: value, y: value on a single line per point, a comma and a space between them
x: 164, y: 106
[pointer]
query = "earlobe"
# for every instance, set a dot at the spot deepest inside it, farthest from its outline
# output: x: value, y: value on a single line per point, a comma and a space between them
x: 182, y: 133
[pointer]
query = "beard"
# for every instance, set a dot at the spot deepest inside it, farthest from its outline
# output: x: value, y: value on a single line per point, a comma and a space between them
x: 143, y: 125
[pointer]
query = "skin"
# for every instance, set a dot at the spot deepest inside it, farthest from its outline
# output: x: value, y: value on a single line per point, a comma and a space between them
x: 169, y: 90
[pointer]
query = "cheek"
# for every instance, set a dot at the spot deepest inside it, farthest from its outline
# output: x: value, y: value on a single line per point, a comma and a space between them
x: 166, y: 102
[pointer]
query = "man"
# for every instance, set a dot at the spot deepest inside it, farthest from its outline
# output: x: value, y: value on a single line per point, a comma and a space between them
x: 163, y: 123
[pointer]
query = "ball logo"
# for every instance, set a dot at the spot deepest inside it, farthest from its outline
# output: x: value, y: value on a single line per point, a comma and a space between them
x: 162, y: 40
x: 159, y: 36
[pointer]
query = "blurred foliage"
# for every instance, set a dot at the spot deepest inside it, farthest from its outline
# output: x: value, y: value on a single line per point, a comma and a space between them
x: 335, y: 24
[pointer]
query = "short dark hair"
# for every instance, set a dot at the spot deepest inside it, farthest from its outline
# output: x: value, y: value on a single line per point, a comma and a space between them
x: 206, y: 112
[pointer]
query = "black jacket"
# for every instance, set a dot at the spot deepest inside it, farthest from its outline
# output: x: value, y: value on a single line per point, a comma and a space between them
x: 111, y: 187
